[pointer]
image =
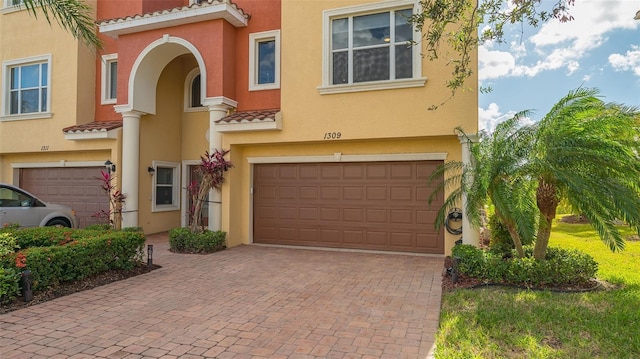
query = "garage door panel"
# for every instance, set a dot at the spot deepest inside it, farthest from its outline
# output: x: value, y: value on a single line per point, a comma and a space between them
x: 376, y: 238
x: 353, y: 215
x: 402, y: 239
x: 308, y: 192
x: 353, y: 237
x: 376, y: 193
x: 329, y: 236
x: 376, y: 205
x: 330, y: 214
x: 401, y: 216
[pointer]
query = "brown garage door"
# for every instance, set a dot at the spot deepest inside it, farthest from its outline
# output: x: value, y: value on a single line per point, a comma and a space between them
x: 76, y: 187
x: 373, y: 205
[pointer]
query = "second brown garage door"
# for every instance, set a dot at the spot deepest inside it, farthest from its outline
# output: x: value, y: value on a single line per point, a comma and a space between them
x: 76, y: 187
x: 372, y: 205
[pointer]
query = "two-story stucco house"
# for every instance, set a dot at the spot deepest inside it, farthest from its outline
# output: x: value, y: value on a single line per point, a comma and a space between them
x: 324, y: 106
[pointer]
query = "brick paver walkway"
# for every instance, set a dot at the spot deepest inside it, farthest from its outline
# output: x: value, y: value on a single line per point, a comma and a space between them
x: 245, y: 302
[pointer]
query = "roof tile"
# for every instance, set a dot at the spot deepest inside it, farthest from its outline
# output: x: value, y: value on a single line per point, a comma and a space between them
x: 100, y: 126
x: 251, y: 116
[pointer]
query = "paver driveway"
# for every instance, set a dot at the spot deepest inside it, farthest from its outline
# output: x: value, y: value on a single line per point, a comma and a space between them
x: 245, y: 302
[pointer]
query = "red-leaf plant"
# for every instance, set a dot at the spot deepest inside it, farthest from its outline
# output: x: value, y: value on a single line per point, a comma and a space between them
x: 116, y: 200
x: 212, y: 169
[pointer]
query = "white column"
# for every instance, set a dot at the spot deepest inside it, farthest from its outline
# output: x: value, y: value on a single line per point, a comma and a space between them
x: 130, y: 166
x: 470, y: 235
x: 216, y: 112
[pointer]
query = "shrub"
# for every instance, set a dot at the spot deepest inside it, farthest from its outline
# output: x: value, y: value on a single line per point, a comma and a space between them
x: 183, y: 240
x: 560, y: 267
x: 8, y: 244
x: 98, y: 227
x: 77, y: 254
x: 9, y: 288
x: 501, y: 241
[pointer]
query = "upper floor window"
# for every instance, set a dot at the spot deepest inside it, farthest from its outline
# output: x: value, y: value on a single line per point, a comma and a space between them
x: 109, y: 79
x: 193, y: 91
x: 370, y: 47
x: 26, y: 87
x: 8, y: 3
x: 264, y: 60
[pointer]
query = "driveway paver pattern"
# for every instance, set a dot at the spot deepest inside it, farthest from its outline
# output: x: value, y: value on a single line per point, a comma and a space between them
x: 245, y: 302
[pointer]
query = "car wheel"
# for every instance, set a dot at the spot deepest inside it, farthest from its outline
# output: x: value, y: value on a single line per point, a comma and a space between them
x: 58, y: 222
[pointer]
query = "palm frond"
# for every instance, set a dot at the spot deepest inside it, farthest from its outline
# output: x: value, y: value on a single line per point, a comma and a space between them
x: 74, y: 16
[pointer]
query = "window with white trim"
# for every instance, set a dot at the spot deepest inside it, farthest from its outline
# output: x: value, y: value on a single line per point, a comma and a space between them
x: 166, y: 190
x: 26, y: 87
x: 8, y: 3
x: 193, y: 92
x: 109, y: 79
x: 369, y: 47
x: 264, y: 60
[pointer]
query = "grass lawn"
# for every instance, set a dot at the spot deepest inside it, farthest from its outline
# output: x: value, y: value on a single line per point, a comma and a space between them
x: 506, y: 323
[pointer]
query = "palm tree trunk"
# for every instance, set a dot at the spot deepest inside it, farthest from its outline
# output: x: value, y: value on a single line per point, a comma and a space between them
x: 513, y: 232
x: 547, y: 200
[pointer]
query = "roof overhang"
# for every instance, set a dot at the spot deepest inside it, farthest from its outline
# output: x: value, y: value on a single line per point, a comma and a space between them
x: 205, y: 11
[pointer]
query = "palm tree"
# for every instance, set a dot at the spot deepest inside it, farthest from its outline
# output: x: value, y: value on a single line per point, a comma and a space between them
x: 492, y: 177
x: 74, y: 16
x: 586, y: 151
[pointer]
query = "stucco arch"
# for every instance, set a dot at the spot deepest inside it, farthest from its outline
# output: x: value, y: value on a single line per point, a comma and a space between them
x: 148, y: 66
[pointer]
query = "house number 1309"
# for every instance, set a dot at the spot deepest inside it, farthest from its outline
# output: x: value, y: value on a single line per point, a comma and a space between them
x: 332, y: 135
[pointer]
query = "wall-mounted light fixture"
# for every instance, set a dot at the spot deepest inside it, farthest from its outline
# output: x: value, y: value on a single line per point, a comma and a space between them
x: 110, y: 166
x: 151, y: 170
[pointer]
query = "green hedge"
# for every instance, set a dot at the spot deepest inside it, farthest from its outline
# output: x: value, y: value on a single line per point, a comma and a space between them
x: 67, y: 255
x: 182, y: 240
x: 9, y: 288
x: 560, y: 267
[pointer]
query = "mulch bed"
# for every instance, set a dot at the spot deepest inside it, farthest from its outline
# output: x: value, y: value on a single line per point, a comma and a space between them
x: 67, y: 288
x: 465, y: 282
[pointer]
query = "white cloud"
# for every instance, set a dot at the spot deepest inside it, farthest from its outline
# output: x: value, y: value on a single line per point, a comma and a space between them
x: 627, y: 62
x: 494, y: 64
x: 561, y: 45
x: 489, y: 118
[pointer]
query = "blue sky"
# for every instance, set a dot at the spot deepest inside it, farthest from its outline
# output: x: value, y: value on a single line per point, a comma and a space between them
x: 535, y: 67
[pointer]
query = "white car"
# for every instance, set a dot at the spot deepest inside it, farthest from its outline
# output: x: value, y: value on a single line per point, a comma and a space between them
x: 18, y: 206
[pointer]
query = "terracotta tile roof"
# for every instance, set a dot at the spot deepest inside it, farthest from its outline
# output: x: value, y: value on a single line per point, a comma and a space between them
x: 93, y: 127
x: 202, y: 4
x: 258, y: 116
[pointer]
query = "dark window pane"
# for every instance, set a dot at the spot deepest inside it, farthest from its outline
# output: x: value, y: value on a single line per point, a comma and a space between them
x: 404, y: 31
x: 267, y: 62
x: 340, y: 68
x: 195, y: 92
x: 30, y: 101
x: 15, y: 78
x: 370, y: 29
x: 164, y: 195
x: 371, y: 64
x: 43, y: 100
x: 113, y: 80
x: 14, y: 107
x: 404, y: 61
x: 339, y: 34
x: 164, y: 175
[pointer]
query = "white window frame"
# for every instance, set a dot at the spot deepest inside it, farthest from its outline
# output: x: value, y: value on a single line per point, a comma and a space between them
x: 6, y: 79
x: 7, y: 7
x: 188, y: 81
x: 254, y: 40
x: 107, y: 60
x: 175, y: 205
x: 372, y: 8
